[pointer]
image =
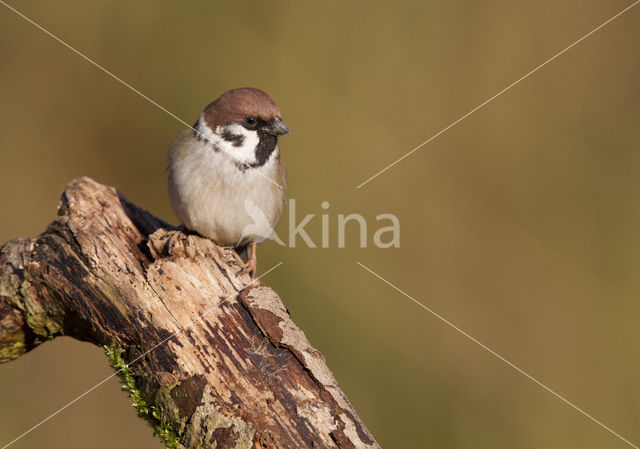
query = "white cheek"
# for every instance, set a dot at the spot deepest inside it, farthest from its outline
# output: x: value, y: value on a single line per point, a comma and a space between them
x: 245, y: 153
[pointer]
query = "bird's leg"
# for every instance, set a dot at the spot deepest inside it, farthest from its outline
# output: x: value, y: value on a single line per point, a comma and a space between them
x: 252, y: 263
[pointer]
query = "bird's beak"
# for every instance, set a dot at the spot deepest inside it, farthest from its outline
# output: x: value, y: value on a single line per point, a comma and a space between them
x: 276, y: 128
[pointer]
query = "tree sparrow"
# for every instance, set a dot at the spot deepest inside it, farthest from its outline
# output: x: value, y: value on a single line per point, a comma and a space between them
x: 226, y: 179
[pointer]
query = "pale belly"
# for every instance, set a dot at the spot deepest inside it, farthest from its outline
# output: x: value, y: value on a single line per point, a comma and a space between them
x: 212, y: 197
x: 239, y: 216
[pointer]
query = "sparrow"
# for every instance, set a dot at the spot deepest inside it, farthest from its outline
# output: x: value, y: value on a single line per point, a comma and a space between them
x: 226, y: 177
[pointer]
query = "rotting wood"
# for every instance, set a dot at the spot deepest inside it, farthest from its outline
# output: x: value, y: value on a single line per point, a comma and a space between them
x: 108, y: 272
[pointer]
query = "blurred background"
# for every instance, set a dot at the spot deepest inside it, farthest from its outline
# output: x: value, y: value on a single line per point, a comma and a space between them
x: 519, y: 225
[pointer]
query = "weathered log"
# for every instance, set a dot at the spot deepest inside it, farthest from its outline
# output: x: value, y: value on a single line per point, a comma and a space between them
x: 241, y: 376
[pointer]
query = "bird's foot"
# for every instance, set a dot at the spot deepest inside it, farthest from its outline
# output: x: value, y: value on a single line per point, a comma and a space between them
x: 250, y: 267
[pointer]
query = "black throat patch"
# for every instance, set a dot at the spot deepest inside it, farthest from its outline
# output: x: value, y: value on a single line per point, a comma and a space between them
x: 267, y: 143
x: 265, y: 147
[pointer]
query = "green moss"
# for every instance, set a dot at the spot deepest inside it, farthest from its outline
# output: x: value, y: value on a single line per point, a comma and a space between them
x: 11, y: 351
x: 147, y: 411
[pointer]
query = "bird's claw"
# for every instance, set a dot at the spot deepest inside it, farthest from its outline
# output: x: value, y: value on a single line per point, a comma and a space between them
x: 250, y: 267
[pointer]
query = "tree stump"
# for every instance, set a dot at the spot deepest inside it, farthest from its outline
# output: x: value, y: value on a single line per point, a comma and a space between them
x: 214, y: 359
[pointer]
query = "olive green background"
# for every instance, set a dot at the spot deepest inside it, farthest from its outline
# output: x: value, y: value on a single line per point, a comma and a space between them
x: 519, y: 225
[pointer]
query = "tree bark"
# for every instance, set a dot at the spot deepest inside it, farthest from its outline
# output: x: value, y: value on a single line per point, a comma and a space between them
x: 214, y: 356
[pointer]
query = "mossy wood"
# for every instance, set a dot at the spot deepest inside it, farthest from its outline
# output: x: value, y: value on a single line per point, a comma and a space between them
x: 242, y: 376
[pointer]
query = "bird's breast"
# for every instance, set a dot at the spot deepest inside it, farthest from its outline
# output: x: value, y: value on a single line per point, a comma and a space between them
x: 215, y: 198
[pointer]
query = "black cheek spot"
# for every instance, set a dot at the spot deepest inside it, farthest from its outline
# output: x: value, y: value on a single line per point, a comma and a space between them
x: 236, y: 139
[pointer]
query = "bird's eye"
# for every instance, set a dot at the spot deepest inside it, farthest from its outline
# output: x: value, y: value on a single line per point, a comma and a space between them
x: 250, y: 121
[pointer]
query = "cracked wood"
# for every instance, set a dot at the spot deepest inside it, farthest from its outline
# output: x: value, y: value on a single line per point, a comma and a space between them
x: 241, y: 376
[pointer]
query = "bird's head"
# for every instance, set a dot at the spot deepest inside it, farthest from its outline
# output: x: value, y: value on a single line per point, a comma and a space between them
x: 245, y: 123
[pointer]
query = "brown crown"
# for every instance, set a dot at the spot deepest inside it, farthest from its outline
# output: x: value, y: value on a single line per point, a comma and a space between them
x: 234, y: 105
